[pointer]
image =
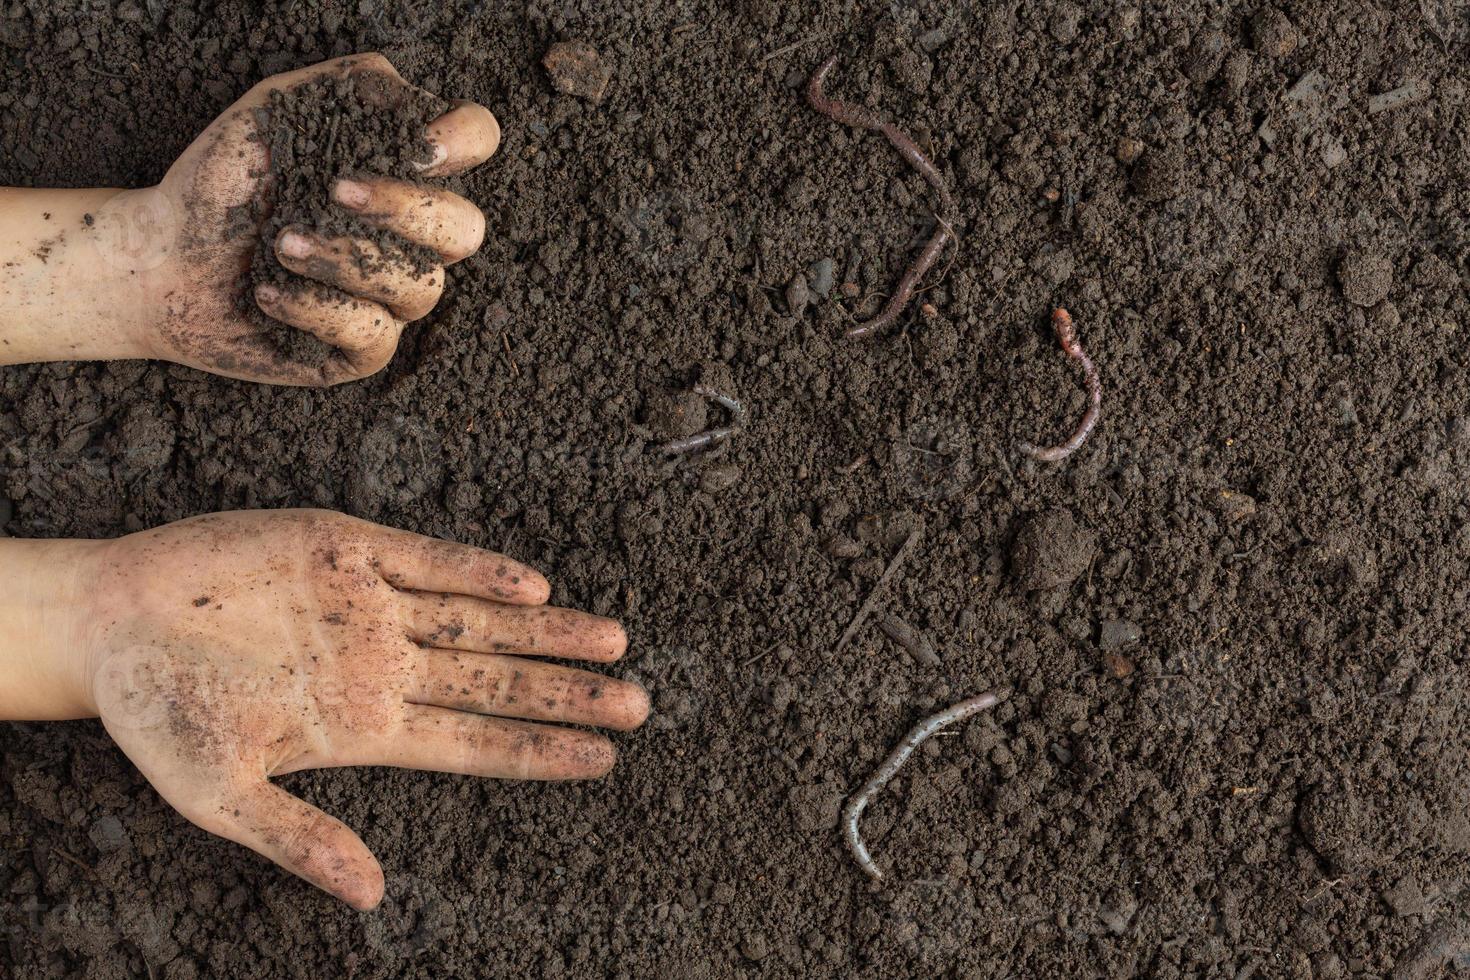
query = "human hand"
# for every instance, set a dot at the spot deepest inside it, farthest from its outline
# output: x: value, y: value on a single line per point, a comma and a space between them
x: 159, y: 272
x: 226, y: 649
x: 365, y: 302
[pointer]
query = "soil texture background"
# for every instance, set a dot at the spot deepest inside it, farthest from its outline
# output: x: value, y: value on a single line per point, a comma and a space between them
x: 1236, y: 622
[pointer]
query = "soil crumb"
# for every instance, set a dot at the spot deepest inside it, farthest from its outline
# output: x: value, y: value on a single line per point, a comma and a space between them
x: 1051, y: 550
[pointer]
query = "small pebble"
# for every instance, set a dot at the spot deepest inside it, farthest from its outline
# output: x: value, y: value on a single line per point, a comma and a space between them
x: 577, y: 69
x: 1128, y: 150
x: 1116, y: 633
x: 1205, y: 56
x: 1397, y: 98
x: 108, y: 834
x: 1236, y: 506
x: 718, y: 479
x: 797, y: 295
x: 820, y: 276
x: 1272, y: 33
x: 1117, y: 665
x: 1333, y: 153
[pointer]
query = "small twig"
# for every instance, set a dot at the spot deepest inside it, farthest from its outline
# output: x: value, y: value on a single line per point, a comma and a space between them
x: 710, y: 437
x: 509, y: 357
x: 877, y: 593
x: 851, y: 115
x: 1061, y: 322
x: 788, y: 48
x: 915, y: 738
x: 332, y: 138
x: 108, y: 74
x: 762, y: 655
x: 74, y: 860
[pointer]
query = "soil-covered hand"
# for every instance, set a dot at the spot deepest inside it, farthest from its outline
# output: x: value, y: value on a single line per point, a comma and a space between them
x: 166, y: 271
x: 362, y: 302
x: 227, y: 649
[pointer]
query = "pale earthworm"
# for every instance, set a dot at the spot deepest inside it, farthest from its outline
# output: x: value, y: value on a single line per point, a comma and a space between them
x: 860, y: 117
x: 915, y: 738
x: 711, y: 437
x: 1061, y: 322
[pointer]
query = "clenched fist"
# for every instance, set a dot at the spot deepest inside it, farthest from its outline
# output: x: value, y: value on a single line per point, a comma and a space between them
x: 160, y: 272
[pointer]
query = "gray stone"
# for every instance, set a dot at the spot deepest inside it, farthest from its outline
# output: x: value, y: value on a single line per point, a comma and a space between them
x: 1116, y: 633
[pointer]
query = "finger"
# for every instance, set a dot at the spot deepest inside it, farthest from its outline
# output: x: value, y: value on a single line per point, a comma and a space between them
x: 458, y: 622
x: 445, y: 740
x: 430, y: 216
x: 359, y: 267
x: 364, y: 332
x: 412, y: 561
x: 305, y: 841
x: 256, y: 357
x: 514, y: 687
x: 462, y: 138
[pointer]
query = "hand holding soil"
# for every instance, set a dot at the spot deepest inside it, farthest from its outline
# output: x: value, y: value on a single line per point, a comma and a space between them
x: 275, y: 226
x: 223, y: 650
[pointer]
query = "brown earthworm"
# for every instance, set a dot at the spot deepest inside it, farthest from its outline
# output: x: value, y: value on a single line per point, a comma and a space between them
x: 710, y: 437
x: 915, y: 738
x: 861, y: 118
x: 1061, y: 322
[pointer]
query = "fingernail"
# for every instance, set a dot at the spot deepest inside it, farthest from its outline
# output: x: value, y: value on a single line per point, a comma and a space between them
x: 350, y: 193
x: 440, y: 155
x: 295, y: 245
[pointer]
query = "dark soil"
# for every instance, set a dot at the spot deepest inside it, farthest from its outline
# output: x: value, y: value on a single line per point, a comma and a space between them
x: 363, y: 124
x: 1237, y: 744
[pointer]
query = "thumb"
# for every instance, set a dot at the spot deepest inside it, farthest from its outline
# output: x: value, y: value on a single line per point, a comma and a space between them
x: 303, y: 840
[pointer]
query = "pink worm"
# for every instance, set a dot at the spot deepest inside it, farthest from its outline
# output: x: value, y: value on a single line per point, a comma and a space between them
x: 860, y: 117
x: 1061, y: 322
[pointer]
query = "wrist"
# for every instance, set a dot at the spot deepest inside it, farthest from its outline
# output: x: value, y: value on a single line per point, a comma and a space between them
x: 77, y: 267
x: 136, y: 236
x: 48, y: 628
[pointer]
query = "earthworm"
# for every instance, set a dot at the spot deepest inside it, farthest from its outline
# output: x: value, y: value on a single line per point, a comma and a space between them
x: 711, y: 437
x: 915, y: 738
x: 861, y: 118
x: 1061, y: 322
